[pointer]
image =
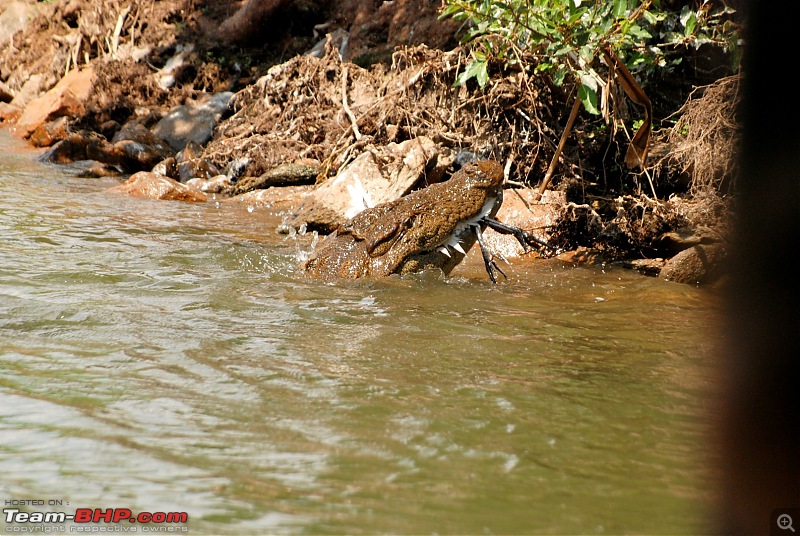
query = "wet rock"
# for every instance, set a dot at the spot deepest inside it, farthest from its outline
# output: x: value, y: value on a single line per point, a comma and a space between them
x: 282, y: 199
x: 51, y: 132
x: 193, y: 122
x: 214, y: 185
x: 91, y: 169
x: 377, y: 175
x: 82, y: 145
x: 698, y: 265
x: 190, y: 164
x: 290, y: 174
x: 149, y: 185
x: 66, y: 98
x: 139, y: 148
x: 167, y: 167
x: 581, y: 255
x: 651, y: 267
x: 520, y: 210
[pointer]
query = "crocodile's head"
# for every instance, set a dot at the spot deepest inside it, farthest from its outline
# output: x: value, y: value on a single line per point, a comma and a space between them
x: 432, y: 227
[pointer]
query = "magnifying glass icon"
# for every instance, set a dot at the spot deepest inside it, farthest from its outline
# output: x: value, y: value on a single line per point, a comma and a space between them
x: 785, y: 522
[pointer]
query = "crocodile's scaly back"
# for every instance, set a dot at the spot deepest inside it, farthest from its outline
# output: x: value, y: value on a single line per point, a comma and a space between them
x: 426, y: 228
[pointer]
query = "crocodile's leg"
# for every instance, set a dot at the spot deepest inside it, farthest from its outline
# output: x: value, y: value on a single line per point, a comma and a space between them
x: 488, y: 257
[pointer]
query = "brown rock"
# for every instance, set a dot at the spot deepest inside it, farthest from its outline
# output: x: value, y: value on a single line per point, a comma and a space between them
x: 214, y: 185
x: 581, y: 255
x: 9, y: 112
x: 139, y: 148
x: 82, y: 145
x: 191, y: 165
x: 278, y: 200
x: 700, y: 264
x: 65, y: 98
x: 520, y: 210
x: 152, y: 186
x: 51, y: 132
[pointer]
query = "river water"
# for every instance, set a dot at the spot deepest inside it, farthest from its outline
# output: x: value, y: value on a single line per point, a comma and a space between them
x: 167, y: 357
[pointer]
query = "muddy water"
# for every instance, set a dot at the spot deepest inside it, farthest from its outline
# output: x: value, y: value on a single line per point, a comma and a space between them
x: 162, y: 356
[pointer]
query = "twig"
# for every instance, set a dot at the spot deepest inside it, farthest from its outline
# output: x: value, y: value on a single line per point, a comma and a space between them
x: 346, y: 107
x: 564, y: 135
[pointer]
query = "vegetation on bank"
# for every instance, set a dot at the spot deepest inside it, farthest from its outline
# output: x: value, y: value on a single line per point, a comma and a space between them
x: 604, y: 56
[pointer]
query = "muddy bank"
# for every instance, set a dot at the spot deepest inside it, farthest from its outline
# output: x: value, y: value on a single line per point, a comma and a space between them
x: 348, y: 97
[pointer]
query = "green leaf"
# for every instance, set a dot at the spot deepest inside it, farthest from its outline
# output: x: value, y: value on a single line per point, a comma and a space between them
x: 588, y: 97
x: 688, y: 20
x: 476, y: 69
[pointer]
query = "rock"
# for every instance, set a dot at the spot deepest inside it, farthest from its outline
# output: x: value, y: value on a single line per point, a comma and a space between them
x: 214, y: 185
x: 149, y: 185
x: 51, y: 132
x: 700, y: 264
x: 9, y: 112
x: 66, y: 98
x: 167, y: 167
x: 92, y: 169
x: 192, y: 122
x: 279, y: 200
x: 581, y: 255
x: 191, y: 165
x: 31, y: 89
x: 6, y: 93
x: 14, y: 16
x: 377, y: 175
x: 651, y: 267
x: 289, y: 174
x: 139, y: 148
x: 520, y: 210
x: 82, y: 145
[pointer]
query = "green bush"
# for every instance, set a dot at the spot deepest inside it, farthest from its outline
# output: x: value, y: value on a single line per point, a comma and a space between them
x: 566, y: 37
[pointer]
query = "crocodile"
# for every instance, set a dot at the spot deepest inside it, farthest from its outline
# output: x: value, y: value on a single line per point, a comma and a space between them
x: 431, y: 227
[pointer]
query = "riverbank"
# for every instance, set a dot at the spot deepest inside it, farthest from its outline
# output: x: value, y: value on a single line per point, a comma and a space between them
x: 189, y: 101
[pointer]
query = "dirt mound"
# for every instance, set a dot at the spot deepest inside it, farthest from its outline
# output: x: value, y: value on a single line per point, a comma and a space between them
x: 327, y: 109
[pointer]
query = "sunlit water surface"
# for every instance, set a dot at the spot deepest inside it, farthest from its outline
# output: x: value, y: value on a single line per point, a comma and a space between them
x: 164, y: 356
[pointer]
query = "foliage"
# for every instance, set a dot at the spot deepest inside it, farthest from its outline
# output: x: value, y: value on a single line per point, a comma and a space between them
x: 566, y: 37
